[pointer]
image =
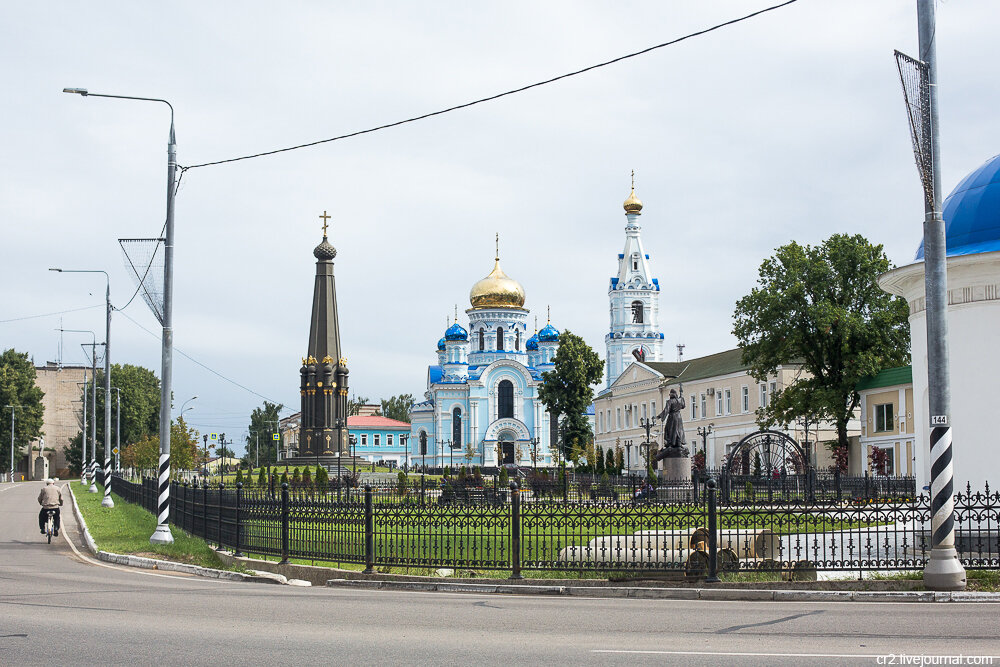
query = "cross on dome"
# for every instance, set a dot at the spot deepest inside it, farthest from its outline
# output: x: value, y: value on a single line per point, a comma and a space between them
x: 324, y: 217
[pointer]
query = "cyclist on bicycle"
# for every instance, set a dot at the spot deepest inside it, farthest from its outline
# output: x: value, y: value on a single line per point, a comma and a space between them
x: 50, y: 498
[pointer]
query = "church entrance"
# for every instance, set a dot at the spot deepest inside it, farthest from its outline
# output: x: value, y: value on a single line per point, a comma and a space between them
x: 506, y: 440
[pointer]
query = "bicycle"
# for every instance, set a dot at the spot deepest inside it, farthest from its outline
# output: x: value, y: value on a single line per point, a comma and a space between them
x: 50, y: 523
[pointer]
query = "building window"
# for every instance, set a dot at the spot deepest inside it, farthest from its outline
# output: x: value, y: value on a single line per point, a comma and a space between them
x: 388, y: 439
x: 694, y: 409
x: 607, y: 419
x: 517, y: 340
x: 745, y: 398
x: 600, y: 422
x: 637, y: 312
x: 618, y: 417
x: 628, y: 416
x: 499, y: 339
x: 729, y: 401
x: 704, y: 406
x: 505, y: 400
x: 482, y: 340
x: 883, y: 417
x: 456, y: 428
x: 763, y: 395
x: 718, y: 402
x: 652, y: 408
x: 364, y: 439
x: 644, y: 415
x: 376, y: 438
x: 774, y: 389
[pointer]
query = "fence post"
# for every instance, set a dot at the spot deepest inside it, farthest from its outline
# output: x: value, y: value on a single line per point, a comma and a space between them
x: 423, y: 475
x: 515, y: 532
x: 284, y: 524
x: 239, y: 492
x: 219, y: 517
x: 713, y: 534
x: 369, y: 531
x: 867, y: 489
x: 204, y: 509
x: 836, y: 481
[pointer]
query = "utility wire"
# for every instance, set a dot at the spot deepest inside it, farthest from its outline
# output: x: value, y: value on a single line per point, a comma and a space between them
x: 192, y: 359
x: 60, y: 312
x: 497, y: 96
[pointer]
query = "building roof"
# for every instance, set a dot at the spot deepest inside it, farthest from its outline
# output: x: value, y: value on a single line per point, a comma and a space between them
x: 890, y: 377
x: 972, y: 213
x: 375, y: 422
x: 713, y: 365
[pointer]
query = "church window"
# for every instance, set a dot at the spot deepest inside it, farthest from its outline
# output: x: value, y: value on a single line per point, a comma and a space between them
x: 505, y: 399
x: 637, y: 312
x: 635, y: 265
x: 456, y: 428
x: 499, y: 339
x: 482, y: 340
x: 517, y: 340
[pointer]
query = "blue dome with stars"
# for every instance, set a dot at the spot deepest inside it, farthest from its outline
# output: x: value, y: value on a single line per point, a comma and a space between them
x: 532, y: 343
x: 456, y: 332
x: 972, y: 213
x: 441, y: 344
x: 548, y: 334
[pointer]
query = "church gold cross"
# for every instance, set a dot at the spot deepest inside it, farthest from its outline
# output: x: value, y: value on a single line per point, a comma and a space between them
x: 324, y: 218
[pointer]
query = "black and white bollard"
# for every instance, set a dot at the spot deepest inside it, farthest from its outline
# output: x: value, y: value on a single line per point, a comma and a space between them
x: 162, y: 533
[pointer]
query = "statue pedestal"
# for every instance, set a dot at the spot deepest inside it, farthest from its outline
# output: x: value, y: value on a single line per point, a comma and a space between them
x: 675, y: 471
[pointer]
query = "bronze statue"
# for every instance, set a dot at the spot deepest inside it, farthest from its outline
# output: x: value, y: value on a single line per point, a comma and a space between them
x: 673, y: 428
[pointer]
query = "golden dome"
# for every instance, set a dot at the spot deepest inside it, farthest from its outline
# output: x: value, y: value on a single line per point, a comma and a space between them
x: 632, y: 204
x: 497, y: 290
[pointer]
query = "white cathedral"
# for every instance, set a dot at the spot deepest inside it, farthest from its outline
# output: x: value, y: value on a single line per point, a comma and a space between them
x: 481, y: 405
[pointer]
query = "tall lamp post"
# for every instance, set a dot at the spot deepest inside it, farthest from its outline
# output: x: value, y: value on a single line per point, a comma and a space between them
x: 447, y: 443
x: 647, y: 425
x: 405, y: 437
x: 162, y: 533
x: 12, y: 439
x: 256, y: 435
x: 118, y: 429
x: 534, y: 453
x: 107, y: 501
x: 703, y: 432
x: 89, y: 467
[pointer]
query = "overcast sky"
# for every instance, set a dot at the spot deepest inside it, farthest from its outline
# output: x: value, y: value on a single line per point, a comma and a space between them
x: 788, y: 126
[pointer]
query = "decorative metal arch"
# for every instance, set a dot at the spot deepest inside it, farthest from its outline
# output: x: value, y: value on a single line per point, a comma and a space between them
x: 775, y: 451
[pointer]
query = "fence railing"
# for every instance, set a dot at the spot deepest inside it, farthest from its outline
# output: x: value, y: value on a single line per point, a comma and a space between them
x: 515, y: 531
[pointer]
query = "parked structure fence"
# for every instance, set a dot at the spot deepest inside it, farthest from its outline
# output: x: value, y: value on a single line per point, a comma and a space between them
x: 519, y: 530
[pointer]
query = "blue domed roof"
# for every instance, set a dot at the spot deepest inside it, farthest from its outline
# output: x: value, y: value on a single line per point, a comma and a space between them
x: 441, y: 344
x: 972, y: 213
x: 532, y: 343
x: 456, y: 332
x: 548, y: 334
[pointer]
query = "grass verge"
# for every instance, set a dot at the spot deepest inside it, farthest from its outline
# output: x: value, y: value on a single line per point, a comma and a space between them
x: 125, y: 529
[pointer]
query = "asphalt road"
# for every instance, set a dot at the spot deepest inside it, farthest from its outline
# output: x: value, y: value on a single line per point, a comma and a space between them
x: 58, y: 609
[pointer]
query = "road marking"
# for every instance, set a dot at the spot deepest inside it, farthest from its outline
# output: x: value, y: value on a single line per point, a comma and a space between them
x: 744, y: 654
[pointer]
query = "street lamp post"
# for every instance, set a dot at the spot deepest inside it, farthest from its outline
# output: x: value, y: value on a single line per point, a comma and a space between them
x: 89, y: 467
x: 107, y: 501
x: 12, y: 440
x: 647, y: 425
x: 447, y: 443
x: 162, y: 533
x: 118, y: 429
x: 534, y: 454
x: 703, y: 432
x: 256, y: 435
x: 405, y: 437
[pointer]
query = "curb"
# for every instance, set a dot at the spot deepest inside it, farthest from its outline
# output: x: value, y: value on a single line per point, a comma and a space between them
x: 713, y: 594
x: 163, y: 565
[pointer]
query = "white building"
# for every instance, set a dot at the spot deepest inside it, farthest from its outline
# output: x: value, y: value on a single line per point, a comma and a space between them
x: 972, y: 219
x: 634, y: 301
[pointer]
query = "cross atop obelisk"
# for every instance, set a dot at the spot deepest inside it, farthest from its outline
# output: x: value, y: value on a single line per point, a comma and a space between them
x: 324, y: 217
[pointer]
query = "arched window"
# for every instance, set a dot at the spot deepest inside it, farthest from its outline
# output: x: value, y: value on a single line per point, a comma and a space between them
x: 500, y: 339
x: 456, y: 428
x: 505, y: 399
x: 637, y: 312
x: 482, y: 340
x: 517, y: 340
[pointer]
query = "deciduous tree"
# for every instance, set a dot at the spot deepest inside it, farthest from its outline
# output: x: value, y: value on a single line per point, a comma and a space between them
x: 398, y: 407
x: 17, y: 387
x: 567, y: 390
x: 821, y: 307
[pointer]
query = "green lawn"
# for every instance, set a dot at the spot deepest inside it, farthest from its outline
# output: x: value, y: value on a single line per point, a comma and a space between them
x: 125, y: 529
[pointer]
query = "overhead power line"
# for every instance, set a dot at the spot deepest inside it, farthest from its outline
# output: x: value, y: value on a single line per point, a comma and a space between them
x: 498, y: 95
x: 58, y: 312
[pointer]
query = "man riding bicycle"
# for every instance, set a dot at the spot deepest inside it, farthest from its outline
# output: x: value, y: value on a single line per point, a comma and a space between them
x: 50, y: 498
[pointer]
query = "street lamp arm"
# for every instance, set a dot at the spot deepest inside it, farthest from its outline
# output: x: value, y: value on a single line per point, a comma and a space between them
x: 85, y: 93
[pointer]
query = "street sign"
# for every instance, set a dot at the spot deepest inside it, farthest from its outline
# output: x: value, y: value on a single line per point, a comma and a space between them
x: 114, y: 450
x: 214, y: 436
x: 275, y: 437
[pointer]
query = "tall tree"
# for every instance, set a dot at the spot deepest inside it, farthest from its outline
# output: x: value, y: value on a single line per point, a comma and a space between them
x: 567, y: 390
x: 398, y: 407
x: 17, y: 387
x: 263, y: 427
x: 821, y: 307
x: 140, y: 409
x: 144, y: 453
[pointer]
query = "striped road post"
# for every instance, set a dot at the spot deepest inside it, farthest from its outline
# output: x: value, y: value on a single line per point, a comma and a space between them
x: 162, y: 534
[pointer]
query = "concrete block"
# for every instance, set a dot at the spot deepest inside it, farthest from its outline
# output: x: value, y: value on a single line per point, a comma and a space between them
x: 733, y: 594
x: 812, y: 596
x: 894, y: 596
x: 664, y: 593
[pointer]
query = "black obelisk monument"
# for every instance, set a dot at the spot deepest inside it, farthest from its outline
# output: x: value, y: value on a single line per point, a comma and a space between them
x: 323, y: 429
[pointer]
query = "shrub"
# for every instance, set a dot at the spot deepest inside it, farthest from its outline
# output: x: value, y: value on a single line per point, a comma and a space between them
x: 651, y: 475
x: 504, y: 478
x: 609, y: 463
x: 239, y: 475
x: 307, y: 477
x: 284, y: 477
x: 605, y: 480
x: 262, y: 477
x: 748, y: 489
x: 401, y: 483
x: 599, y: 467
x: 296, y: 476
x: 477, y: 475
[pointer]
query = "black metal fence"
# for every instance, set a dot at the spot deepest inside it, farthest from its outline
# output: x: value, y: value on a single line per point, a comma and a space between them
x: 518, y: 530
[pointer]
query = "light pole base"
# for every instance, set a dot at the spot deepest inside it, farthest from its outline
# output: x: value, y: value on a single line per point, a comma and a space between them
x: 161, y: 535
x: 93, y: 488
x: 944, y: 572
x: 107, y: 502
